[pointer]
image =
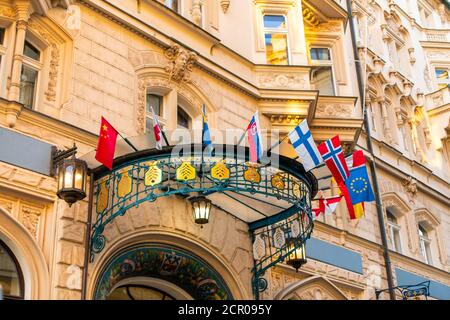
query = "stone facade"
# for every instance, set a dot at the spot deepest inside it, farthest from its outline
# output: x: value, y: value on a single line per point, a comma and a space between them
x: 102, y: 58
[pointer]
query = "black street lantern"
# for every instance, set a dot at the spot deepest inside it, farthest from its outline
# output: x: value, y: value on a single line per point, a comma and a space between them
x: 72, y: 175
x: 298, y: 257
x: 201, y: 208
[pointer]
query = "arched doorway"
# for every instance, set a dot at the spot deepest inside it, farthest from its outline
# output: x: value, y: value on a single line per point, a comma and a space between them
x: 11, y: 277
x: 156, y: 271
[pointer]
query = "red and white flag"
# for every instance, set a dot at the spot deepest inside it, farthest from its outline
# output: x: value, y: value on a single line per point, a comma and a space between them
x: 156, y: 129
x: 327, y: 206
x: 331, y: 205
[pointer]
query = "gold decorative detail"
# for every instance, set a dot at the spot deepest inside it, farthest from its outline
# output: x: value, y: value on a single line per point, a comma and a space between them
x: 220, y: 171
x: 153, y: 176
x: 181, y: 63
x: 125, y: 183
x: 186, y: 172
x: 296, y: 190
x: 225, y: 4
x: 252, y: 174
x: 278, y: 182
x: 7, y: 12
x: 103, y: 197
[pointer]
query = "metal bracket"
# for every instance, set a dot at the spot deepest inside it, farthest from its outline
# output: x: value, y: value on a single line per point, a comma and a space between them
x: 59, y: 155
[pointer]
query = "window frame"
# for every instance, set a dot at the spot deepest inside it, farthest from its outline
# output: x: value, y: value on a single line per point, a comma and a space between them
x: 441, y: 82
x: 425, y: 244
x: 3, y: 49
x: 36, y: 65
x: 394, y: 232
x: 266, y: 30
x: 190, y: 119
x: 11, y: 254
x: 325, y: 63
x: 179, y: 6
x: 148, y: 115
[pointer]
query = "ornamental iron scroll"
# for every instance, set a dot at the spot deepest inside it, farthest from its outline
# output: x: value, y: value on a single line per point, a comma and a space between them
x: 152, y: 174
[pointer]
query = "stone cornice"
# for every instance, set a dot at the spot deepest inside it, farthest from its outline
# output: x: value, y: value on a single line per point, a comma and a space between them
x: 47, y: 123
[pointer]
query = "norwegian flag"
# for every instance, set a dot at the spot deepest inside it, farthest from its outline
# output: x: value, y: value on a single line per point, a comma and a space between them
x: 331, y: 151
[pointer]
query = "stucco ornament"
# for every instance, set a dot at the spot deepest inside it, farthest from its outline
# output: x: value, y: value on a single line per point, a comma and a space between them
x: 181, y: 63
x: 225, y: 4
x: 410, y: 186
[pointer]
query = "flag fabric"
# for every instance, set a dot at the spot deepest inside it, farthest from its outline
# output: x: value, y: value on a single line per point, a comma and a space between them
x: 358, y: 184
x: 106, y: 145
x: 206, y: 134
x: 156, y: 129
x: 304, y: 145
x: 331, y: 205
x: 255, y: 139
x: 332, y: 154
x: 327, y: 206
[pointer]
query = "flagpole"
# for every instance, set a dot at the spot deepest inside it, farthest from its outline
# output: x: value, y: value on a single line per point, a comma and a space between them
x: 242, y: 138
x: 277, y: 143
x: 128, y: 142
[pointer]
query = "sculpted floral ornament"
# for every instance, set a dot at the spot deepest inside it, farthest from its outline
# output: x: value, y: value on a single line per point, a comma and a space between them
x: 30, y: 220
x: 181, y: 63
x: 334, y: 110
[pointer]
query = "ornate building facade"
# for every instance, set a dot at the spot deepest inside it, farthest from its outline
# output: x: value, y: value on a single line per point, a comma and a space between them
x: 64, y: 64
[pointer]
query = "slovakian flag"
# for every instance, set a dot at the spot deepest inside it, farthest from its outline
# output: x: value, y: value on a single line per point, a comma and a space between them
x: 206, y: 134
x: 156, y: 129
x: 255, y: 139
x: 106, y: 145
x: 332, y: 154
x: 304, y: 145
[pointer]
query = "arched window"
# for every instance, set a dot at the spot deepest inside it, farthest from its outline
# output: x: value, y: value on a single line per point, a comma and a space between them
x: 394, y: 232
x: 11, y: 279
x: 30, y: 74
x: 183, y: 119
x: 136, y: 292
x: 425, y: 242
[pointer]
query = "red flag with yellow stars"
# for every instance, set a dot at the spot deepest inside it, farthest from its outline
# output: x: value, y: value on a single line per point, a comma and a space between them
x: 106, y: 144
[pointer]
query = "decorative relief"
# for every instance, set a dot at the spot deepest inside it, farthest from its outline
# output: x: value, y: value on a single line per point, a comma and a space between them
x: 334, y: 110
x: 30, y: 220
x: 7, y: 12
x: 325, y: 27
x: 7, y: 205
x: 410, y: 186
x: 50, y: 93
x: 271, y: 80
x: 225, y: 4
x: 284, y: 119
x: 197, y: 11
x: 181, y: 63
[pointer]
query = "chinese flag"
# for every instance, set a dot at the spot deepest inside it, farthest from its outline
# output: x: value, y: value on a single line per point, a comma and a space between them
x: 106, y: 144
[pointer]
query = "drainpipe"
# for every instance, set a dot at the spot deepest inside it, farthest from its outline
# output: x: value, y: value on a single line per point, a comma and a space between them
x: 373, y: 169
x: 87, y: 246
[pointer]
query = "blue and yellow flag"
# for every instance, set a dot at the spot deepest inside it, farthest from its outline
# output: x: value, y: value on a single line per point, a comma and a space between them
x: 358, y: 183
x: 206, y: 135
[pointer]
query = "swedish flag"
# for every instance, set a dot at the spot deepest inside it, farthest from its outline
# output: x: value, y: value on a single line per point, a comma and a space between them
x: 206, y: 135
x: 358, y: 183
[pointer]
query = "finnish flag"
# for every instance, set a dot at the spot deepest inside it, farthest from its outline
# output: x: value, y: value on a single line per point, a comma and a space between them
x: 305, y: 146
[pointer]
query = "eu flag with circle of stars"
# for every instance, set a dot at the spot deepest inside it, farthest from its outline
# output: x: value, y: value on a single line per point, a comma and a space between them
x: 358, y: 183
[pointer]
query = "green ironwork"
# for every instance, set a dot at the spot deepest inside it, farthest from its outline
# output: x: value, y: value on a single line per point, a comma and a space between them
x: 147, y: 176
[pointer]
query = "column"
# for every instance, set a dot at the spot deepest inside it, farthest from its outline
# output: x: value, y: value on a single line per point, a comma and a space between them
x: 386, y: 125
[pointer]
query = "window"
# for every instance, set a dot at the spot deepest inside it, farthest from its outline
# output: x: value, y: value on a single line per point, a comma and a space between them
x: 156, y: 102
x: 394, y: 232
x: 425, y: 245
x: 183, y: 119
x: 29, y: 76
x: 322, y: 75
x: 442, y: 77
x: 173, y: 4
x: 11, y: 278
x: 275, y: 34
x: 2, y: 48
